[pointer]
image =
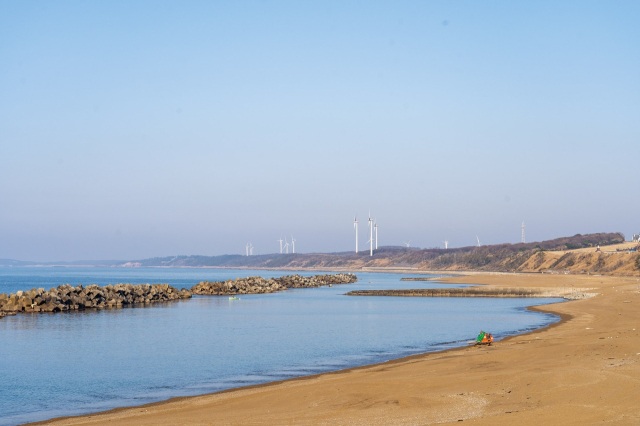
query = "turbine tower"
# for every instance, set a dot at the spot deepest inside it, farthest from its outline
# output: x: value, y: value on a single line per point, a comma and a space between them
x: 280, y: 244
x: 478, y: 239
x: 355, y: 226
x: 246, y: 249
x: 523, y: 239
x: 370, y: 235
x: 293, y: 245
x: 286, y: 246
x: 446, y: 244
x: 376, y: 228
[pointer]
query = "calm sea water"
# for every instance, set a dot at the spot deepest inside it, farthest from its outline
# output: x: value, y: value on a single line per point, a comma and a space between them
x: 80, y: 362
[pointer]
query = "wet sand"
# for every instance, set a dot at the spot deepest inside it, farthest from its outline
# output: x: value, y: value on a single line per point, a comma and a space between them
x: 582, y: 370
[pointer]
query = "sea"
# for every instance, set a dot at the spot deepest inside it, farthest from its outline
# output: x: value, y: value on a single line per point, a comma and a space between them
x: 73, y: 363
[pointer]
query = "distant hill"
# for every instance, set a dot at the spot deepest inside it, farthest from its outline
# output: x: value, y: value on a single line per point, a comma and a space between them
x: 602, y: 253
x: 11, y: 262
x: 521, y: 257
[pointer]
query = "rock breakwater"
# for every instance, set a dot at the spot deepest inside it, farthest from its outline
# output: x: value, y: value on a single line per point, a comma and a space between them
x: 258, y: 285
x: 70, y: 298
x: 499, y: 292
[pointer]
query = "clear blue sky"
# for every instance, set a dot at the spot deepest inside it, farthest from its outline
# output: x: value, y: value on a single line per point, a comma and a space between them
x: 133, y: 129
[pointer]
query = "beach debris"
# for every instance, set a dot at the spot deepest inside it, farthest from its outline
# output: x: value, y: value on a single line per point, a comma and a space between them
x: 484, y: 338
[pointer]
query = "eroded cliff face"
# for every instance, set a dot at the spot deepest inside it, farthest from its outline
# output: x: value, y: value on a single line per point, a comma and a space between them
x: 619, y: 260
x: 605, y: 261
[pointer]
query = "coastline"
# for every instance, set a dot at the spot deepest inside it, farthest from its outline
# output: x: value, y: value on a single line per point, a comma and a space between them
x: 517, y: 380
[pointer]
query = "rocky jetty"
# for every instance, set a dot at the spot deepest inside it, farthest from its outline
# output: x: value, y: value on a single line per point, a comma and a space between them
x: 499, y: 292
x: 257, y: 285
x: 250, y: 285
x: 69, y: 298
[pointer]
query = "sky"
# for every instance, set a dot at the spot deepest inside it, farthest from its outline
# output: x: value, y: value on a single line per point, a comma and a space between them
x: 135, y: 129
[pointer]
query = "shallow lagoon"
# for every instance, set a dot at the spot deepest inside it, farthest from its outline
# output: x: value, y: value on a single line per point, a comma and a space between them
x: 80, y: 362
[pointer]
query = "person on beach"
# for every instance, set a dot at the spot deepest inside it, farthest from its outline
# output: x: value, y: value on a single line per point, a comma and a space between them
x: 484, y: 338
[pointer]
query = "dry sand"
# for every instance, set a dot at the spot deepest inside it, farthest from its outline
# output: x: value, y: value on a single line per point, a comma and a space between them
x: 584, y: 370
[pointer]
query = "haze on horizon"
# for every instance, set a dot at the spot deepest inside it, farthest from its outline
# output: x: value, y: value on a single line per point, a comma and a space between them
x: 137, y: 129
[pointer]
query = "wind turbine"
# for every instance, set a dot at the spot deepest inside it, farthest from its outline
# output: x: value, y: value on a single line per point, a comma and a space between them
x: 355, y: 226
x: 286, y: 246
x: 446, y: 244
x: 246, y: 249
x: 280, y: 244
x: 407, y: 243
x: 370, y: 235
x: 478, y: 239
x: 293, y: 245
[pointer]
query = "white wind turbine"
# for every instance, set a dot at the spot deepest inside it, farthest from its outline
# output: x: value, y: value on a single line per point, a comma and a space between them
x: 246, y: 249
x: 407, y: 243
x: 250, y: 249
x: 280, y: 240
x: 286, y: 246
x: 478, y: 239
x: 446, y: 244
x: 355, y: 226
x: 293, y: 245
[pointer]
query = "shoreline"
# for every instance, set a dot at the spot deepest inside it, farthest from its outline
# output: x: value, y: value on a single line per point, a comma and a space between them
x: 178, y: 399
x: 280, y: 402
x: 391, y: 362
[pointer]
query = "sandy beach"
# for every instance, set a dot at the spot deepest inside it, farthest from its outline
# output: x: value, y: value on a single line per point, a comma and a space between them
x: 583, y: 370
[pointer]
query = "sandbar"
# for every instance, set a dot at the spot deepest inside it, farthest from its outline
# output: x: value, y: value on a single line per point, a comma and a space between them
x: 584, y: 369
